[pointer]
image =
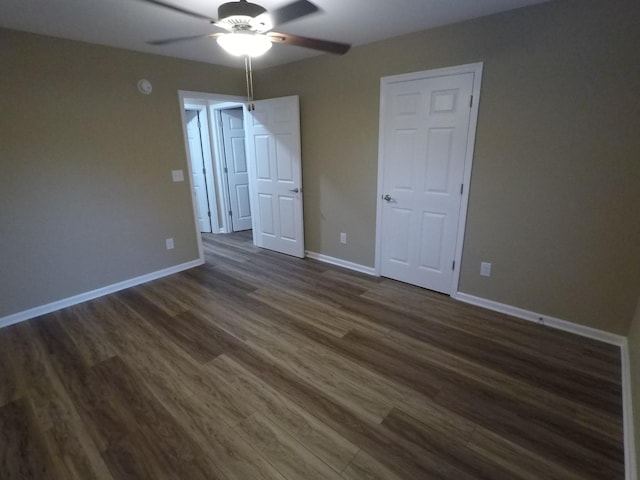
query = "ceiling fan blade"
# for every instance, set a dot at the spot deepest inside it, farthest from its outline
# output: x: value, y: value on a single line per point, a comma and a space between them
x: 292, y: 11
x: 167, y: 41
x: 323, y: 45
x: 180, y: 9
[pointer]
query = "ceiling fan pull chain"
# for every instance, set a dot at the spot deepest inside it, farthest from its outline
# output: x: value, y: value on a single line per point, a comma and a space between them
x: 249, y: 75
x: 251, y: 82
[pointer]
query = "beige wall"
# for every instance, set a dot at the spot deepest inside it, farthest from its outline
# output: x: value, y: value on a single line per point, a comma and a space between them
x: 86, y: 197
x: 634, y: 357
x: 555, y: 192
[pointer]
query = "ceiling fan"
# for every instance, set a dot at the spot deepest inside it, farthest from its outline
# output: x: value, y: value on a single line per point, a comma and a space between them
x: 249, y: 27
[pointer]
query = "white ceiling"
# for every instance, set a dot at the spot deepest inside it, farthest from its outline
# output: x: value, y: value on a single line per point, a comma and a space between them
x: 129, y: 23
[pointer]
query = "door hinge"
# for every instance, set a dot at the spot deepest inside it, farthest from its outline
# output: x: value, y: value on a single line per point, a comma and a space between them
x: 453, y: 265
x: 471, y: 101
x: 226, y: 170
x: 461, y: 188
x: 230, y: 213
x: 204, y: 171
x: 209, y: 214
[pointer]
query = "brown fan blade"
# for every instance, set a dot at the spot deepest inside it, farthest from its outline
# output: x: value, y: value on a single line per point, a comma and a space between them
x: 167, y: 41
x: 292, y: 11
x: 323, y: 45
x: 180, y: 9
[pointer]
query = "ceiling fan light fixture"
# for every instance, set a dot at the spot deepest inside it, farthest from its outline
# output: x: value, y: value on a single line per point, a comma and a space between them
x: 242, y: 44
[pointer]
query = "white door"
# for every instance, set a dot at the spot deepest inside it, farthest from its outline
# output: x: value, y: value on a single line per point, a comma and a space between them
x: 275, y: 167
x: 198, y: 170
x: 425, y: 126
x: 236, y: 168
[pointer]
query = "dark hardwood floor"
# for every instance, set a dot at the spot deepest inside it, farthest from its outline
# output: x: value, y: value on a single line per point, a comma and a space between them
x: 262, y: 366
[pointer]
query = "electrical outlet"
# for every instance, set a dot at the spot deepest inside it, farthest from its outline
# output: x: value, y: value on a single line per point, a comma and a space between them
x: 343, y: 237
x: 177, y: 175
x: 485, y: 269
x: 169, y: 242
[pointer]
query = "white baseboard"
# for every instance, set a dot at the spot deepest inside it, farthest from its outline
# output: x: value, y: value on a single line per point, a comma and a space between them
x: 630, y: 460
x: 341, y: 263
x: 593, y: 333
x: 83, y: 297
x: 543, y: 319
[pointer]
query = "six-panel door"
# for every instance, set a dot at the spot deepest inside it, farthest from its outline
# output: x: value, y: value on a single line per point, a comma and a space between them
x: 273, y: 136
x: 425, y: 129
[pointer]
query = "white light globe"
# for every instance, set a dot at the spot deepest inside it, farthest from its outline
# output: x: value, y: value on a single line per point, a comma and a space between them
x: 241, y: 44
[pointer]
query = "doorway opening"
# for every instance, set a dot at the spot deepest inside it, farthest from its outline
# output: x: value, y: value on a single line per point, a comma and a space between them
x: 216, y: 151
x: 209, y: 166
x: 245, y: 168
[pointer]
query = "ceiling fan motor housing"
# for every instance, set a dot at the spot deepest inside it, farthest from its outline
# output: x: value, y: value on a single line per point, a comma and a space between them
x: 247, y: 24
x: 240, y: 9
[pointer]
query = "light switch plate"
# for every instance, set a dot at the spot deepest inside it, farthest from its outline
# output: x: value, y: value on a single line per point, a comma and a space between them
x: 177, y: 175
x: 169, y: 243
x: 485, y: 269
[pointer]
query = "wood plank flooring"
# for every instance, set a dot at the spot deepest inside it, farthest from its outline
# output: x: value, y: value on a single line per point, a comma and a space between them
x: 261, y: 366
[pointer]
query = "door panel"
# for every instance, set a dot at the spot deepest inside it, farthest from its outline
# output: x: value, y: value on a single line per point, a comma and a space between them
x: 263, y: 157
x: 287, y: 218
x: 266, y: 220
x: 197, y: 171
x: 275, y: 166
x: 284, y: 159
x: 244, y: 207
x: 236, y: 165
x: 238, y: 155
x: 425, y: 131
x: 400, y: 235
x: 431, y: 239
x: 438, y: 160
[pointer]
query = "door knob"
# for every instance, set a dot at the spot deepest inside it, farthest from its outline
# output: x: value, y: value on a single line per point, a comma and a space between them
x: 294, y: 190
x: 387, y: 197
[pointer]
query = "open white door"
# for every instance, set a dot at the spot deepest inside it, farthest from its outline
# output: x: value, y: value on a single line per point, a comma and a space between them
x: 275, y: 167
x: 196, y: 155
x: 235, y: 162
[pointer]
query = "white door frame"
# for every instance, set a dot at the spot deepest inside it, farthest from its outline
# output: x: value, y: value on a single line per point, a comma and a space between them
x: 476, y: 69
x: 211, y: 100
